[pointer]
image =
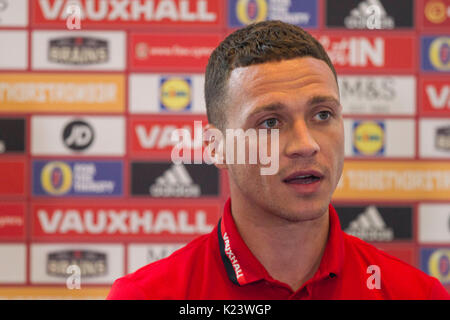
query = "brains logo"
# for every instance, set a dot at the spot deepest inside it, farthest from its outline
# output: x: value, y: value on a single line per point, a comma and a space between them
x: 435, y: 11
x: 56, y: 178
x: 439, y: 265
x: 250, y: 11
x: 175, y: 94
x: 439, y: 53
x: 368, y: 138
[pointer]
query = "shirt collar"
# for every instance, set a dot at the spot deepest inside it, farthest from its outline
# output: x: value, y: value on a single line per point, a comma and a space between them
x: 243, y: 268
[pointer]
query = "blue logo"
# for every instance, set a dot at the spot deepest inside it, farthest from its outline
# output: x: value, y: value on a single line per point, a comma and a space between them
x: 244, y: 12
x: 436, y: 263
x: 77, y: 178
x: 435, y: 53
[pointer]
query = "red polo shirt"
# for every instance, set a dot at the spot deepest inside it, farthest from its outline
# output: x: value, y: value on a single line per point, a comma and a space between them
x: 219, y: 265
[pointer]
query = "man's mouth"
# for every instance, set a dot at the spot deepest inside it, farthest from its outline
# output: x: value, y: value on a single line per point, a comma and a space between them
x: 303, y: 177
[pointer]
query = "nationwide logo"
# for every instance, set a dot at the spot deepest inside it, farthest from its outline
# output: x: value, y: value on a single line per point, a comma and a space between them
x: 175, y: 94
x: 59, y: 178
x: 78, y: 135
x: 123, y: 222
x: 436, y: 11
x: 251, y: 11
x: 368, y: 138
x: 370, y: 226
x: 436, y: 262
x: 369, y: 14
x: 175, y: 182
x: 78, y: 51
x: 442, y: 140
x: 91, y: 263
x: 105, y: 12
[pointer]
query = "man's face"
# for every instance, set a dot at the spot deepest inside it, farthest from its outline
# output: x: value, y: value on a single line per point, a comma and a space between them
x: 301, y: 99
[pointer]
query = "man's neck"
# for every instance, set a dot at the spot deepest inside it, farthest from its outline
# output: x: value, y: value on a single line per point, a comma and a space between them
x: 290, y: 251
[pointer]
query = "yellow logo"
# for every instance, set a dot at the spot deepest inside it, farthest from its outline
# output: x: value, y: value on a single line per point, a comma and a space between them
x: 435, y: 11
x: 439, y: 265
x: 56, y: 178
x: 175, y: 94
x: 440, y: 53
x: 368, y: 138
x: 250, y: 11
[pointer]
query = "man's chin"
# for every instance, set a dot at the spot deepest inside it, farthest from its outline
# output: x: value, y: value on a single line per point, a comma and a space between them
x: 301, y: 212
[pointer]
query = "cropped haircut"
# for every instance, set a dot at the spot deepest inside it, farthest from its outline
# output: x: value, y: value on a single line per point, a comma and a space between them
x: 267, y: 41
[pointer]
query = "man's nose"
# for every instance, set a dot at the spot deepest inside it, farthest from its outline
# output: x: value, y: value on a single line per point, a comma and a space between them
x: 301, y: 142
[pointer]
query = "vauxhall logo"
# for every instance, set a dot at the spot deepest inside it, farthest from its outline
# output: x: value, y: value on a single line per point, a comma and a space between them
x: 78, y: 135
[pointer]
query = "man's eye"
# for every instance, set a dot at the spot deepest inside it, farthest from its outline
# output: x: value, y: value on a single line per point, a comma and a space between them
x: 323, y: 115
x: 270, y: 123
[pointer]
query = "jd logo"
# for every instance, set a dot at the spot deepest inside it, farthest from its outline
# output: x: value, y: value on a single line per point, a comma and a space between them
x: 78, y: 135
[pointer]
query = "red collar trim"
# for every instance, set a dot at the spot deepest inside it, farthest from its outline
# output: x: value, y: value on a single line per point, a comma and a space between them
x: 243, y: 268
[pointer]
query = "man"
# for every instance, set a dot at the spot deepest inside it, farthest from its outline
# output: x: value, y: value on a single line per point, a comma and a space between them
x: 279, y: 236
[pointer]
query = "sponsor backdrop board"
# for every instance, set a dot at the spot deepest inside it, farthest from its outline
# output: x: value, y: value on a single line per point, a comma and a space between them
x: 357, y: 14
x: 17, y: 58
x: 68, y: 50
x: 377, y: 95
x: 435, y: 96
x: 78, y: 135
x: 131, y: 14
x: 389, y: 138
x: 98, y: 263
x: 87, y: 114
x: 166, y: 93
x: 140, y: 255
x: 301, y: 13
x: 14, y: 13
x: 122, y: 221
x: 12, y: 221
x: 61, y: 92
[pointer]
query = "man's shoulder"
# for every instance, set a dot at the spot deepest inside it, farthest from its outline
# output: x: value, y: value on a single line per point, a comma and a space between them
x: 160, y: 279
x: 399, y: 278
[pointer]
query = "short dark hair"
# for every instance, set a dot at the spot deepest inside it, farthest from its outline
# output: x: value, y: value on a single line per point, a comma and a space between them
x: 257, y: 43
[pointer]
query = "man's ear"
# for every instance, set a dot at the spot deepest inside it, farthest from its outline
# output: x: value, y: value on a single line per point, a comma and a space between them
x: 214, y: 144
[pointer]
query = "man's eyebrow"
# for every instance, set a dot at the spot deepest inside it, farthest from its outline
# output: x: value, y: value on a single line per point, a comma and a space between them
x: 322, y: 99
x: 267, y: 108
